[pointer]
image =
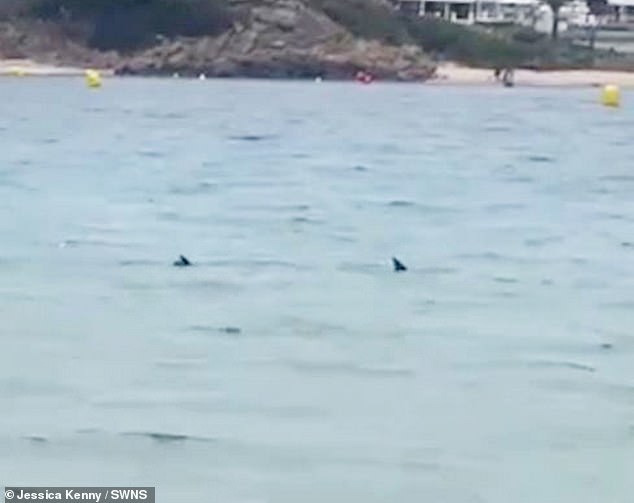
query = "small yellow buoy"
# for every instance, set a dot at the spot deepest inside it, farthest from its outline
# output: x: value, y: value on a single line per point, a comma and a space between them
x: 611, y: 96
x: 93, y: 79
x: 16, y: 71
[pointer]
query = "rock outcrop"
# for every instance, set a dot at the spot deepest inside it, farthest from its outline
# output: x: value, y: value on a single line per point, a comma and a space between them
x: 52, y: 45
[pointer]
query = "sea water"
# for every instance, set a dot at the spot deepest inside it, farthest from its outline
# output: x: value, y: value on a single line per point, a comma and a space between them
x: 290, y: 363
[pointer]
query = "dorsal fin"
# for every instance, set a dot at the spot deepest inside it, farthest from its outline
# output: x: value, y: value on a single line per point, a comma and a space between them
x: 398, y: 265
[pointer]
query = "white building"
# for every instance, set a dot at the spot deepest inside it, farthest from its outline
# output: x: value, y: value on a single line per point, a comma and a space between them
x: 534, y: 13
x: 473, y: 11
x: 622, y: 10
x: 481, y: 11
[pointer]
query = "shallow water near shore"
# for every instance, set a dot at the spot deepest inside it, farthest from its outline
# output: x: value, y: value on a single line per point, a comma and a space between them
x: 290, y: 363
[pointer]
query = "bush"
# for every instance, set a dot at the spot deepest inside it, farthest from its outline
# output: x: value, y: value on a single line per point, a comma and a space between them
x: 515, y: 47
x: 12, y: 8
x: 129, y: 24
x: 528, y: 36
x: 366, y: 19
x: 372, y: 20
x: 464, y: 44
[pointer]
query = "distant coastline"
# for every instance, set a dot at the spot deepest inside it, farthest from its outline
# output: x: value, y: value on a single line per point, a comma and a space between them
x: 449, y: 74
x: 289, y: 40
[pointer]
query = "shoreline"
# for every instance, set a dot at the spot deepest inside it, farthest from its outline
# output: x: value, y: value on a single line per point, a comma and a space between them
x: 30, y: 68
x: 447, y: 74
x: 457, y: 75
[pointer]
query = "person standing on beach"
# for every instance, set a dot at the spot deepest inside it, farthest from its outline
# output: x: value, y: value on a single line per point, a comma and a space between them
x: 507, y: 77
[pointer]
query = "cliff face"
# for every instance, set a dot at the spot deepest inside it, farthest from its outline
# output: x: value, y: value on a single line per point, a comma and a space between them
x: 273, y: 39
x: 281, y: 39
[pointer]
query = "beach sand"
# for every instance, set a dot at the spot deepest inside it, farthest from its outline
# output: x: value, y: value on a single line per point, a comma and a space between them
x: 27, y: 68
x: 447, y: 74
x: 452, y: 74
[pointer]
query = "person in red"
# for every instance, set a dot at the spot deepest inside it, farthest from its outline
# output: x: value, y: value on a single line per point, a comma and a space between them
x: 364, y: 77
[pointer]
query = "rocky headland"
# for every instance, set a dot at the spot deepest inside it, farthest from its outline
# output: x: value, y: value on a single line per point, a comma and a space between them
x: 271, y: 39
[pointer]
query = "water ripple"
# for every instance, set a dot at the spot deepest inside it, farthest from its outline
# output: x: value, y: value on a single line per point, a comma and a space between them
x: 348, y: 368
x: 166, y: 438
x: 207, y: 329
x: 252, y: 137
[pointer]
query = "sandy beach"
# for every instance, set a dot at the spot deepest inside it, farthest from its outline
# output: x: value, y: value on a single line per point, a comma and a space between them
x: 29, y: 68
x: 452, y: 74
x: 447, y: 74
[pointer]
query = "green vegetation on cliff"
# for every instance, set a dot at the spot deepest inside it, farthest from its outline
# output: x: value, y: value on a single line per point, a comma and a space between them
x: 131, y: 24
x: 367, y: 19
x: 470, y: 45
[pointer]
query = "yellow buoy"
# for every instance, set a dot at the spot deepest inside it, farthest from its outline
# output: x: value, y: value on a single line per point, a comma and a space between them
x: 16, y: 71
x: 93, y: 79
x: 611, y: 96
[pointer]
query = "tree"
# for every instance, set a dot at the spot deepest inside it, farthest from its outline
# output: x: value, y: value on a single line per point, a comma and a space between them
x: 598, y: 7
x: 125, y: 25
x: 555, y: 6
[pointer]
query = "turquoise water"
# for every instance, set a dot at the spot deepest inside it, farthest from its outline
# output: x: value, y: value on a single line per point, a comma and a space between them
x: 291, y: 364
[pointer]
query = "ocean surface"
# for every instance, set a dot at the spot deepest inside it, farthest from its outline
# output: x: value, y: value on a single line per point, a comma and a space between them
x: 291, y: 364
